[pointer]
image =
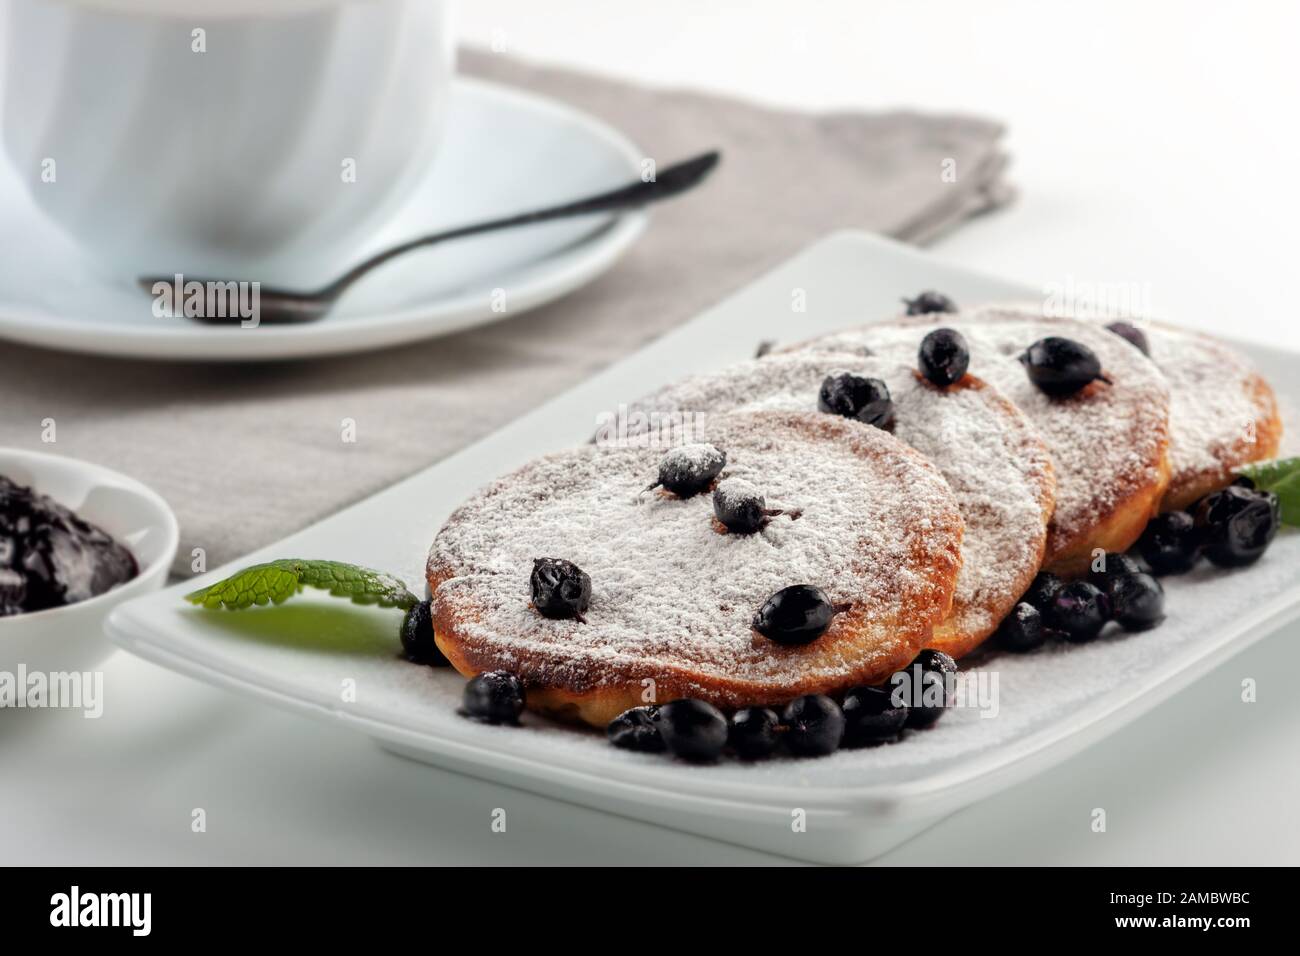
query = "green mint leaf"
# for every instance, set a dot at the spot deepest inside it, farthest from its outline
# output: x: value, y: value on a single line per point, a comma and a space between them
x: 1282, y: 477
x: 277, y: 581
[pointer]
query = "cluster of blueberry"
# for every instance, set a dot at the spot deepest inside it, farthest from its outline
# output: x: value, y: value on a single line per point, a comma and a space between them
x: 810, y: 726
x: 1078, y: 610
x: 50, y: 557
x: 1231, y: 528
x: 694, y: 730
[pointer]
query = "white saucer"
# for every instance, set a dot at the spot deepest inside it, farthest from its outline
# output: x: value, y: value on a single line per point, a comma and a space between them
x: 504, y: 151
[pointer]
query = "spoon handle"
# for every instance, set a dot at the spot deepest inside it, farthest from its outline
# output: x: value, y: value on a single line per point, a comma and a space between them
x: 669, y: 182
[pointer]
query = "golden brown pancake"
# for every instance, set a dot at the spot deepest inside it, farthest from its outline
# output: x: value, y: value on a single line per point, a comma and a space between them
x: 673, y: 599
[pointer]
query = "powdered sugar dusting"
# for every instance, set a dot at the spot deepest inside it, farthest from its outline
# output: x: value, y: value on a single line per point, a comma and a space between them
x: 1216, y: 403
x: 1107, y: 442
x: 671, y: 596
x: 991, y: 456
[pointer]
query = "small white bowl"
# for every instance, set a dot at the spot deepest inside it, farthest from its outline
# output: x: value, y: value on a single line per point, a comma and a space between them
x: 71, y: 638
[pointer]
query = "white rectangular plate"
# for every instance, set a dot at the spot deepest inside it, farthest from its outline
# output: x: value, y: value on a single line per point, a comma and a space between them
x: 857, y: 803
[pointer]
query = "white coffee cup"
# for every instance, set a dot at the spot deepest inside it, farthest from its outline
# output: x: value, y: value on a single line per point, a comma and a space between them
x: 222, y: 137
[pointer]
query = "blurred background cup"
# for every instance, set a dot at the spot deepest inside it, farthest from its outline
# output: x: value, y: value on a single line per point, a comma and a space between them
x: 222, y: 137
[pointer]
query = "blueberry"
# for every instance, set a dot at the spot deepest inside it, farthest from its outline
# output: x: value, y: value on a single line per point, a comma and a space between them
x: 754, y: 732
x: 1137, y: 601
x: 1078, y: 610
x: 693, y: 730
x: 60, y: 558
x: 687, y: 470
x: 1108, y: 565
x: 814, y: 725
x: 740, y: 506
x: 928, y: 302
x: 1132, y: 334
x: 943, y: 357
x: 1042, y: 590
x: 1236, y: 525
x: 1244, y: 481
x: 872, y: 716
x: 1060, y: 366
x: 934, y: 662
x: 925, y: 688
x: 864, y: 399
x: 417, y: 637
x: 795, y: 615
x: 1170, y: 543
x: 1022, y: 629
x: 494, y: 697
x: 560, y: 588
x: 636, y: 729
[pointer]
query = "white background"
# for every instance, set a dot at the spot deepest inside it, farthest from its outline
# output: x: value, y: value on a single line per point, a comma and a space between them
x: 1153, y: 143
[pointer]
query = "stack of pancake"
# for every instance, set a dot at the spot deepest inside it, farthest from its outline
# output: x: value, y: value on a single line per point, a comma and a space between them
x: 923, y: 533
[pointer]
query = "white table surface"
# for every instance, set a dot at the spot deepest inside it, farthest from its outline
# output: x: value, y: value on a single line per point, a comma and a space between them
x: 1152, y: 146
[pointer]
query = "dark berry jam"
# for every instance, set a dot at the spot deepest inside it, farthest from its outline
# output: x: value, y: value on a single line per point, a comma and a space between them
x: 49, y: 557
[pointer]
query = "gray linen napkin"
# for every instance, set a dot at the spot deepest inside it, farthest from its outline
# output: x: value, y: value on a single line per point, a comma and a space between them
x: 261, y: 441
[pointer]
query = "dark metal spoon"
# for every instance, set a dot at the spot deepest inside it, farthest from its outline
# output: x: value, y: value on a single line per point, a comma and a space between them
x: 282, y: 306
